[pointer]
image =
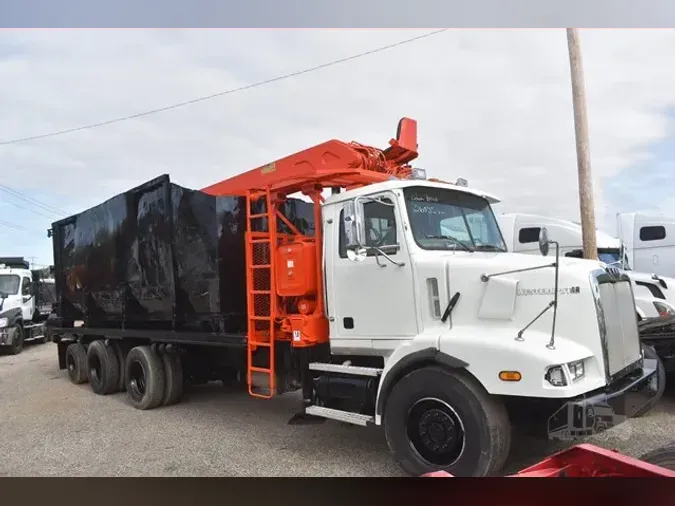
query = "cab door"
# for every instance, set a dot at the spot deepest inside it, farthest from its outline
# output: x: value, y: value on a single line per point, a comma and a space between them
x: 27, y: 298
x: 373, y: 298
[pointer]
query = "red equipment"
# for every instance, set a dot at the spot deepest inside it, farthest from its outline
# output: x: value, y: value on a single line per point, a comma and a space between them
x: 585, y: 461
x: 284, y: 275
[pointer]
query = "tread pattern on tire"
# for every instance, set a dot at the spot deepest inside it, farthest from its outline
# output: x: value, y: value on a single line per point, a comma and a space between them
x: 20, y: 337
x: 494, y: 415
x: 663, y: 457
x: 154, y: 377
x: 79, y: 354
x: 173, y: 379
x: 121, y: 360
x: 110, y: 369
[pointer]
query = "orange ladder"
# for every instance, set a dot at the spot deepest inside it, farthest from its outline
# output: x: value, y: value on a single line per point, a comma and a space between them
x: 262, y: 300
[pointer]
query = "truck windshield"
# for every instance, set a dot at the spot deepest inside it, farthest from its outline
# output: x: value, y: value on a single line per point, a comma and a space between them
x: 448, y: 219
x: 609, y: 256
x: 9, y: 284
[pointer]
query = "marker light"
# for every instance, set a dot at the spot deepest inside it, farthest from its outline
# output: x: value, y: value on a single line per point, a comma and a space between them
x: 510, y: 376
x: 418, y: 173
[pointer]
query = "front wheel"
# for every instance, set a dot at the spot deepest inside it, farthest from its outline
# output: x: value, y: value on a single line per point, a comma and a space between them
x: 437, y: 419
x: 662, y: 457
x: 17, y: 339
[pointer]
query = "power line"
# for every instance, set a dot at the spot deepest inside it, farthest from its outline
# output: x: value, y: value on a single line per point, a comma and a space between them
x: 35, y: 211
x: 227, y: 92
x: 46, y: 207
x: 13, y: 226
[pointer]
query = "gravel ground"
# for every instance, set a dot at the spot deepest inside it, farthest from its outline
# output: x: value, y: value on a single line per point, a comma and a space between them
x: 53, y: 428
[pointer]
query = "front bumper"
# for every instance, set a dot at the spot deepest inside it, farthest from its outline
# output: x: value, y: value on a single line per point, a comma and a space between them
x: 7, y: 336
x: 606, y: 408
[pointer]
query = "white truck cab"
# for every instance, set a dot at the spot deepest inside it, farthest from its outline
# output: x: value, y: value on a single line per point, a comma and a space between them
x: 649, y: 242
x: 418, y: 272
x: 20, y: 313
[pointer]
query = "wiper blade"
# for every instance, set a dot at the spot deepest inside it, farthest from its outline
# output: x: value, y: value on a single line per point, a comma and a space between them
x: 489, y: 247
x: 453, y: 239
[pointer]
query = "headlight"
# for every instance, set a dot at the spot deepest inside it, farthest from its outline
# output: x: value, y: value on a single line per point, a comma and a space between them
x: 556, y: 376
x: 663, y: 310
x: 3, y: 322
x: 576, y: 369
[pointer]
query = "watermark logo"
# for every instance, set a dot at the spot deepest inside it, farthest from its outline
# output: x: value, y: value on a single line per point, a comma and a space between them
x: 576, y: 420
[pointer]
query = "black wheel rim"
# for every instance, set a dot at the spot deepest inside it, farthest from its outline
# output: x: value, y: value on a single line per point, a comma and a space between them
x: 436, y: 432
x: 95, y: 370
x: 137, y: 380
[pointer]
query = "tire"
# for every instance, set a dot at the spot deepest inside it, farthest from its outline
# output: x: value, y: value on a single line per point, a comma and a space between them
x: 17, y: 342
x: 121, y: 360
x: 76, y: 363
x: 173, y: 379
x: 650, y: 353
x: 663, y: 457
x: 103, y: 369
x: 144, y: 378
x: 455, y: 404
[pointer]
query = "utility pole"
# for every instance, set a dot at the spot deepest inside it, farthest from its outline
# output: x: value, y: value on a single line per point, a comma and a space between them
x: 583, y: 155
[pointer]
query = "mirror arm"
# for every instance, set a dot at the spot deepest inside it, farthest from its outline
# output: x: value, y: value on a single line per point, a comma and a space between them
x: 379, y: 252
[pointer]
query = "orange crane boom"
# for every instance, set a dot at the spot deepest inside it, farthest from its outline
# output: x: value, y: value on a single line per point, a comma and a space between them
x: 284, y: 276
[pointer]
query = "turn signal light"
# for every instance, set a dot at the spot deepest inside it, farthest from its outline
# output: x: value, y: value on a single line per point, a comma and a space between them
x: 509, y: 376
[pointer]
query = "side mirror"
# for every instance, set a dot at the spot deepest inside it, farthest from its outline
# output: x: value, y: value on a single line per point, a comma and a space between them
x: 353, y: 224
x: 543, y: 241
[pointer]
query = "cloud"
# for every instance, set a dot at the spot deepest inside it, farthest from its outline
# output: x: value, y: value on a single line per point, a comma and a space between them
x: 493, y: 106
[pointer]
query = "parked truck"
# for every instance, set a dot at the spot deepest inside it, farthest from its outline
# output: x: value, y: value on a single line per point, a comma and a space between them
x: 26, y: 298
x: 648, y: 242
x: 356, y: 299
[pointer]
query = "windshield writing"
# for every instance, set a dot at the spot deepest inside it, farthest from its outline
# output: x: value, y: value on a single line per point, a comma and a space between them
x: 449, y: 219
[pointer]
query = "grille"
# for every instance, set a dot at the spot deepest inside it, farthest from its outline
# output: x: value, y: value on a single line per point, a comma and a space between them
x: 622, y: 339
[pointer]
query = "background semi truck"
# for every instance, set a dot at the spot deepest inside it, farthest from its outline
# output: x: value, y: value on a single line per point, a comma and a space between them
x: 654, y: 294
x: 358, y: 299
x: 26, y: 299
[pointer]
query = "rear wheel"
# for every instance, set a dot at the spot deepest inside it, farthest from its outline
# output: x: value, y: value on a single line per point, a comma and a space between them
x: 650, y: 353
x: 173, y: 379
x: 17, y: 339
x: 144, y: 378
x: 76, y: 363
x: 437, y: 419
x: 663, y: 457
x: 103, y: 368
x: 121, y: 360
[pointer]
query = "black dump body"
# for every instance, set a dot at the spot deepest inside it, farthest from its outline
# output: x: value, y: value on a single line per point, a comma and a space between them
x: 157, y: 257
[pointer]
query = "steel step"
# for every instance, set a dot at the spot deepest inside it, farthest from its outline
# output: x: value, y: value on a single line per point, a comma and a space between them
x: 345, y: 369
x: 341, y: 416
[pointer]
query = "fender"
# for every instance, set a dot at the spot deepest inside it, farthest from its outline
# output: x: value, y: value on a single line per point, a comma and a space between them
x: 13, y: 315
x: 425, y: 356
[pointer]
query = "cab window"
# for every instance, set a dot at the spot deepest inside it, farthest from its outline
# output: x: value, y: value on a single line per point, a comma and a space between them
x: 25, y: 287
x: 380, y: 225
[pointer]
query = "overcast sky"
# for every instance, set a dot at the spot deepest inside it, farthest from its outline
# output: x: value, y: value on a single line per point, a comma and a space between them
x: 494, y: 107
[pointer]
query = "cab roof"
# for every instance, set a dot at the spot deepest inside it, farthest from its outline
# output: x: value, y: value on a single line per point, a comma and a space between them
x: 397, y: 184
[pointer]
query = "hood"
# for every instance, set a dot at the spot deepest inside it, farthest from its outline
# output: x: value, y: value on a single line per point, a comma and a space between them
x: 507, y: 303
x: 10, y: 312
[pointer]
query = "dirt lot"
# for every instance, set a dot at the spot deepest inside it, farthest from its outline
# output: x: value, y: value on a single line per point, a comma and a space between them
x: 51, y: 427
